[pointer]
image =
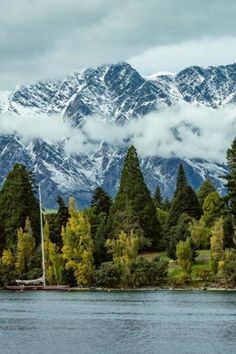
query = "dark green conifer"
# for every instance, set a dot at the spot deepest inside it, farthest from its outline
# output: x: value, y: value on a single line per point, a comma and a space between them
x: 101, y: 201
x: 181, y: 179
x: 158, y: 197
x: 231, y: 179
x: 185, y: 201
x: 57, y: 221
x: 98, y: 215
x: 228, y: 228
x: 179, y: 232
x: 17, y: 202
x: 134, y: 193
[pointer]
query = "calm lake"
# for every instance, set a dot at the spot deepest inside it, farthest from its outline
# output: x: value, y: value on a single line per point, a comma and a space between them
x: 167, y: 322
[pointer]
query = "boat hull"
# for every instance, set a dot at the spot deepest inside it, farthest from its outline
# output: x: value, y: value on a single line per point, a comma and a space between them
x: 37, y: 287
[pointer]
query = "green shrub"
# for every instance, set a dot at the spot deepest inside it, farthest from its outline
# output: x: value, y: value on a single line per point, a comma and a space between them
x: 7, y: 274
x: 107, y: 275
x: 228, y: 267
x: 149, y: 273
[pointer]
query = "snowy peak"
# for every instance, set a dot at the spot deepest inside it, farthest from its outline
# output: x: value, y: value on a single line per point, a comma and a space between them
x: 117, y: 93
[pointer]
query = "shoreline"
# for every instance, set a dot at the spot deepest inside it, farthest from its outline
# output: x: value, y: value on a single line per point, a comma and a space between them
x: 147, y: 289
x: 151, y: 289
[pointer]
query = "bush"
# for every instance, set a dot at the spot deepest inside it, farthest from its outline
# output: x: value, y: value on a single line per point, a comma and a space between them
x: 107, y: 275
x: 7, y: 274
x: 181, y: 279
x: 149, y: 273
x: 204, y: 275
x: 228, y: 267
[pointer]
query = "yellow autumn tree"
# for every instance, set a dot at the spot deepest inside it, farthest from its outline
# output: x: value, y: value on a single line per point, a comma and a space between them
x: 200, y: 234
x: 78, y: 245
x: 8, y: 258
x: 217, y: 245
x: 7, y: 267
x: 25, y: 248
x: 124, y: 251
x: 184, y: 256
x: 53, y: 259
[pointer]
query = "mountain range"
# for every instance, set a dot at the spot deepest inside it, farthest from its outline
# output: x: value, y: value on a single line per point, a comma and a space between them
x: 118, y: 94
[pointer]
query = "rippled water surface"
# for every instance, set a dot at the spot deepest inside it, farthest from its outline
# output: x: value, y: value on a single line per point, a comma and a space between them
x: 169, y: 322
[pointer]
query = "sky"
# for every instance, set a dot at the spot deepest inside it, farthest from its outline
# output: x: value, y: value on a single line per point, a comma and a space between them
x: 51, y: 38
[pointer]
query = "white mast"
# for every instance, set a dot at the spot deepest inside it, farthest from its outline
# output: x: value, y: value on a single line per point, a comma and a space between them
x: 42, y: 238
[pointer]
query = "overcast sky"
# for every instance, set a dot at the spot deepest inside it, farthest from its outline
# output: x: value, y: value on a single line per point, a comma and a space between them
x: 42, y: 39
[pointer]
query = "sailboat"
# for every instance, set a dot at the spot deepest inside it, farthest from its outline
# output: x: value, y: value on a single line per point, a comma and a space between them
x: 39, y: 283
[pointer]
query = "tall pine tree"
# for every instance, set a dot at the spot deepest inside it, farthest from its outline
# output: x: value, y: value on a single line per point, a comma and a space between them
x: 101, y: 201
x: 158, y: 197
x: 17, y: 202
x: 134, y: 191
x: 181, y: 179
x: 98, y: 214
x: 231, y: 179
x: 185, y: 200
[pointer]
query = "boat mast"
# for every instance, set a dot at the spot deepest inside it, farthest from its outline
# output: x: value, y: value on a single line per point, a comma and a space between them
x: 42, y: 238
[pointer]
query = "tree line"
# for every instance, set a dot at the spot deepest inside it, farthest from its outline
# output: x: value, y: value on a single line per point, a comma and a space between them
x: 105, y: 245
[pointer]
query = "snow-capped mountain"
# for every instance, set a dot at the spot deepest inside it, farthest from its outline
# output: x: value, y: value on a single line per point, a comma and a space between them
x: 118, y: 93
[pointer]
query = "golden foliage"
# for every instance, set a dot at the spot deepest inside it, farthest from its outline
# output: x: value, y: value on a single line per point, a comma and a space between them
x: 78, y: 245
x: 25, y: 247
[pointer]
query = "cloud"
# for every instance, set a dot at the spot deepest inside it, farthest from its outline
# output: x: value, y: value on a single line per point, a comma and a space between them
x: 52, y: 129
x: 50, y: 38
x: 185, y: 131
x: 204, y: 52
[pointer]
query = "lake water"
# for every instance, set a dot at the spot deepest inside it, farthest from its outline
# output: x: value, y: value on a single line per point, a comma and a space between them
x: 170, y: 322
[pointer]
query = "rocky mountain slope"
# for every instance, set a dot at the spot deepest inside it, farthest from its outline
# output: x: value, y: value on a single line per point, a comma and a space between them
x: 119, y: 94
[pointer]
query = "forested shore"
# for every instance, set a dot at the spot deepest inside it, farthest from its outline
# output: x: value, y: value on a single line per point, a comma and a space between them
x: 134, y: 241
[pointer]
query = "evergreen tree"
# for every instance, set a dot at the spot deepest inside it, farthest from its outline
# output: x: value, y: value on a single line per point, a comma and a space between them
x: 231, y: 179
x: 181, y: 179
x: 166, y: 205
x: 177, y: 233
x: 17, y: 202
x: 56, y: 221
x: 134, y: 193
x: 62, y: 214
x: 185, y: 201
x: 205, y: 189
x: 158, y: 198
x: 98, y: 215
x: 127, y: 220
x: 99, y: 234
x: 162, y: 217
x: 228, y: 228
x: 101, y: 201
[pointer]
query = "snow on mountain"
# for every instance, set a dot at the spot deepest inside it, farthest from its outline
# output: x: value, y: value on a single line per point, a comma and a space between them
x: 118, y: 93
